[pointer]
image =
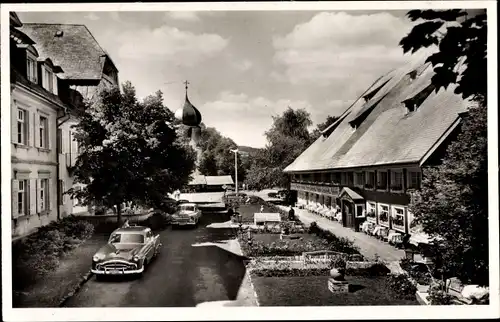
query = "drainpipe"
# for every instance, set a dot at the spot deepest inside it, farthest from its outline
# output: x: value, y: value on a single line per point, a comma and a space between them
x: 59, y: 121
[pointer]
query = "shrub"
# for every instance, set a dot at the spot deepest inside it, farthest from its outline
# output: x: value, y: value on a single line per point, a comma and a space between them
x: 291, y: 272
x: 418, y: 272
x: 36, y: 255
x: 437, y: 296
x: 377, y: 269
x: 313, y: 228
x: 338, y: 262
x: 402, y: 286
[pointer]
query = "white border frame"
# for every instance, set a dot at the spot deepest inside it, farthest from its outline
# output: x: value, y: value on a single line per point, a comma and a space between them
x: 264, y: 313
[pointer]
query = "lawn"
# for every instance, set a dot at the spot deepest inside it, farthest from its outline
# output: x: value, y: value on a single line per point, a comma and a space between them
x: 313, y: 291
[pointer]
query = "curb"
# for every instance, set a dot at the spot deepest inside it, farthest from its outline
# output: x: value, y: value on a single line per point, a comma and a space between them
x: 71, y: 293
x: 253, y: 288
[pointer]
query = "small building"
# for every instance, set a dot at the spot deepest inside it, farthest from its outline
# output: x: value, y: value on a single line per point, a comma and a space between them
x: 370, y: 160
x: 202, y: 183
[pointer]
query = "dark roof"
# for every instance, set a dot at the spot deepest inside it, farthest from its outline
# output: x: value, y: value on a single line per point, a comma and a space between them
x: 189, y: 114
x: 17, y: 78
x: 381, y: 131
x: 75, y: 50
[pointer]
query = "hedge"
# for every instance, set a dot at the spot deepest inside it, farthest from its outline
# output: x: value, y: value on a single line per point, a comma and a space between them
x: 36, y: 255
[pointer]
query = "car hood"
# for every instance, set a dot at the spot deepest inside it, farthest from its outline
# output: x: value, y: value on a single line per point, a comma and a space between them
x: 118, y: 251
x: 185, y: 213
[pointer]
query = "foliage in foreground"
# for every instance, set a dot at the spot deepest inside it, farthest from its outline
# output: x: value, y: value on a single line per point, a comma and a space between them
x: 402, y: 286
x: 453, y: 201
x: 39, y: 253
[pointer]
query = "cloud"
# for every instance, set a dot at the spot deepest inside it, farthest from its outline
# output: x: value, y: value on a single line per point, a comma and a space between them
x: 191, y: 16
x: 243, y: 65
x: 245, y: 119
x: 115, y: 16
x: 335, y: 48
x: 170, y: 44
x: 92, y: 16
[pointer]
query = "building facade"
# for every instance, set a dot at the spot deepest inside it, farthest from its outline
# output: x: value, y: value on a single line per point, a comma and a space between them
x: 367, y: 164
x: 54, y: 69
x: 35, y: 109
x: 88, y: 70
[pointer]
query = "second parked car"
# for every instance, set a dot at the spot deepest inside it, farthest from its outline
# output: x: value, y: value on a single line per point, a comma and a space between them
x: 186, y: 214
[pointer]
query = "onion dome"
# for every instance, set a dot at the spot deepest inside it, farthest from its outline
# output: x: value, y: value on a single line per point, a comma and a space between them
x: 188, y: 115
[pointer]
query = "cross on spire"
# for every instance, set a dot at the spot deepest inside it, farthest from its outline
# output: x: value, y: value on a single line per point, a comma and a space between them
x: 186, y: 83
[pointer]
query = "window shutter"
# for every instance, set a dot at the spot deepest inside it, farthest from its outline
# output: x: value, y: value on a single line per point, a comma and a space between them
x: 28, y: 206
x: 36, y: 126
x: 28, y: 128
x: 54, y: 86
x: 37, y: 196
x: 15, y: 187
x: 48, y: 130
x: 13, y: 125
x: 50, y: 195
x: 32, y: 196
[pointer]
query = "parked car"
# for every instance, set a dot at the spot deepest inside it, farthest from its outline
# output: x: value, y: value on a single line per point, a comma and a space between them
x: 181, y: 201
x: 187, y: 214
x: 128, y: 251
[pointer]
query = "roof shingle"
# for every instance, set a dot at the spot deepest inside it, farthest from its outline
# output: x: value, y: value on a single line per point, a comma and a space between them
x: 386, y: 133
x: 75, y: 50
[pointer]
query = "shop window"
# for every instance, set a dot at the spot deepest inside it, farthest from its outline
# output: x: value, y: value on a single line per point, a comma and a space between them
x: 383, y: 214
x: 370, y: 180
x: 370, y: 210
x: 382, y: 180
x: 398, y: 218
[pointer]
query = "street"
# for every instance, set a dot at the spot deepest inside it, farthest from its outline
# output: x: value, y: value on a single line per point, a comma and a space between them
x: 182, y: 275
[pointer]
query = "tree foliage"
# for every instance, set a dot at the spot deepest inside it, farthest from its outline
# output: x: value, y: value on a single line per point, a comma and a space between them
x: 461, y: 40
x: 453, y: 201
x: 130, y: 150
x: 287, y: 139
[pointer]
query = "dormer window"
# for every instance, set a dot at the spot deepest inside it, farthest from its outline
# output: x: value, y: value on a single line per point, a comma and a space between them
x: 31, y: 70
x: 49, y: 80
x: 413, y: 103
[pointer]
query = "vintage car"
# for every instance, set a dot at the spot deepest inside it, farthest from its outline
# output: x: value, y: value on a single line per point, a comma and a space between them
x: 128, y: 251
x: 186, y: 214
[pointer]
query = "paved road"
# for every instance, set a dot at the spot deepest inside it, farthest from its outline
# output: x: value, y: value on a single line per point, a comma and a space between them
x: 182, y: 275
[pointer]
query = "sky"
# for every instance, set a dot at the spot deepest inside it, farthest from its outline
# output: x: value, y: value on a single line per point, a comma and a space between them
x: 246, y: 66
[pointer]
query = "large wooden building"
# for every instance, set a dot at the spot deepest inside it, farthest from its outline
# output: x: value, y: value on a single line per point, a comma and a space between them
x: 369, y: 161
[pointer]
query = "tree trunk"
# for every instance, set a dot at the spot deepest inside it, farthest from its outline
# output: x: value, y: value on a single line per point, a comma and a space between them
x: 119, y: 214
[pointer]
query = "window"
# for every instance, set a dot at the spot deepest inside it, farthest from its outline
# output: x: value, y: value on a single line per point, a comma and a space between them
x: 336, y: 178
x: 43, y: 132
x: 359, y: 179
x: 382, y: 180
x: 398, y: 218
x: 77, y: 201
x: 31, y: 72
x: 127, y: 238
x: 383, y: 214
x: 343, y: 178
x: 44, y: 194
x: 360, y: 211
x: 48, y: 79
x: 370, y: 180
x: 414, y: 180
x: 370, y: 210
x: 350, y: 178
x: 22, y: 126
x: 22, y: 197
x: 396, y: 180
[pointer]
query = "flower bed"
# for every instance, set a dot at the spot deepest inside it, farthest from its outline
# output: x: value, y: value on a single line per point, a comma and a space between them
x: 419, y: 272
x: 36, y: 255
x: 339, y: 244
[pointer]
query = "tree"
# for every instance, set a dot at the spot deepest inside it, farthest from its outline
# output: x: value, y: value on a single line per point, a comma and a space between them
x: 287, y: 139
x: 453, y: 201
x: 208, y: 164
x: 461, y: 40
x: 130, y: 150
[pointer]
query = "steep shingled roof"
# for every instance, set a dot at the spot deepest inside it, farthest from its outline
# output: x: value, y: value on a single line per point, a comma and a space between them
x: 381, y: 131
x: 75, y: 49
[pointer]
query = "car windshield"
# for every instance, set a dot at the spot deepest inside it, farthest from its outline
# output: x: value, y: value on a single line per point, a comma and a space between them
x: 187, y: 208
x: 128, y: 238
